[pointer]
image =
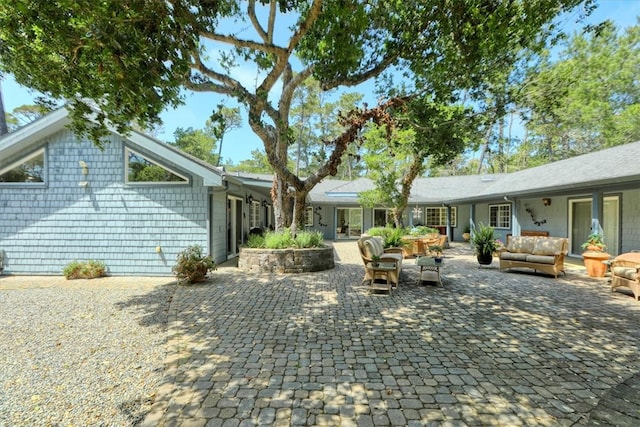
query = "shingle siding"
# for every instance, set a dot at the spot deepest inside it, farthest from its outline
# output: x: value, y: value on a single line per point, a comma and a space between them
x: 43, y: 229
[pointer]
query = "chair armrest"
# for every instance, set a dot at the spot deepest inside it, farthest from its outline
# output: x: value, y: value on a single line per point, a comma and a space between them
x: 393, y: 251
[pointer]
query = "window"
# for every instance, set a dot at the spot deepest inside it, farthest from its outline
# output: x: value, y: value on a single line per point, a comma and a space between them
x: 29, y: 170
x: 500, y: 216
x: 308, y: 216
x: 254, y: 214
x: 141, y: 170
x: 437, y: 217
x: 382, y: 217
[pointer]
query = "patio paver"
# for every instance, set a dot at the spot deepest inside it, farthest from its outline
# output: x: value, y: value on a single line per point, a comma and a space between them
x: 487, y: 348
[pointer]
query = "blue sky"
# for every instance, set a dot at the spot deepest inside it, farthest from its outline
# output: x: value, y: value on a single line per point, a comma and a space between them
x: 239, y: 143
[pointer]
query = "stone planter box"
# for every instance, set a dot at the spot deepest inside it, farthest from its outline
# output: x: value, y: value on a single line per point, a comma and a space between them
x: 286, y: 260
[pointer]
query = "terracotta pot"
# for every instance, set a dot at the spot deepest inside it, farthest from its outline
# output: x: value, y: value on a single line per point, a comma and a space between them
x: 466, y: 236
x: 593, y: 263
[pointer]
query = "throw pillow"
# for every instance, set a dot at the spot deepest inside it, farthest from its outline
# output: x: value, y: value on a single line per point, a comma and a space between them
x: 547, y: 246
x: 520, y: 244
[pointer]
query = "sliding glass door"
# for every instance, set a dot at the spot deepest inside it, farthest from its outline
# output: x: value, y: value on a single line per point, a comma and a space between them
x: 349, y: 222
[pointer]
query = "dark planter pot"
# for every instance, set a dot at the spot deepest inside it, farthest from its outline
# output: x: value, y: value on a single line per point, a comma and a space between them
x: 485, y: 259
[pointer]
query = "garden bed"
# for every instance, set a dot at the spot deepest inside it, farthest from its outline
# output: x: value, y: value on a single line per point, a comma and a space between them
x: 286, y: 260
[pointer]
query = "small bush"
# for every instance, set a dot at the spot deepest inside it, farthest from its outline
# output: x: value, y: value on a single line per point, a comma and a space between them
x: 255, y: 241
x: 392, y: 237
x: 309, y: 239
x: 192, y: 265
x: 278, y: 239
x: 84, y: 269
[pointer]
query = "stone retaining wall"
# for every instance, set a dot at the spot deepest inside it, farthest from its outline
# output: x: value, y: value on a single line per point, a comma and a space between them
x: 286, y: 260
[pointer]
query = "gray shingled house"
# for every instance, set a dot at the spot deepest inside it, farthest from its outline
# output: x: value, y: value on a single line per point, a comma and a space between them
x: 134, y: 206
x: 139, y: 202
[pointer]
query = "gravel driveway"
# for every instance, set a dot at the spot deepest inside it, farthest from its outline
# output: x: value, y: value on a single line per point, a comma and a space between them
x: 81, y: 352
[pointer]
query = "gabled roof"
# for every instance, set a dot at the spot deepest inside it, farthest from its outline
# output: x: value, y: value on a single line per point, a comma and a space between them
x: 612, y: 166
x: 55, y: 121
x: 601, y: 169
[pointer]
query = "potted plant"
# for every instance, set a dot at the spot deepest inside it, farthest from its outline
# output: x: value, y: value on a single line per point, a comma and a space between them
x: 375, y: 260
x: 435, y: 252
x: 595, y: 243
x: 466, y: 235
x: 484, y: 243
x: 595, y: 255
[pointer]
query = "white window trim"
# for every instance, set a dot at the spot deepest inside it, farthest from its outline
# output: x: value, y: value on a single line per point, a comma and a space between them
x: 40, y: 151
x: 308, y: 218
x: 499, y: 206
x: 254, y: 214
x: 128, y: 151
x: 442, y: 216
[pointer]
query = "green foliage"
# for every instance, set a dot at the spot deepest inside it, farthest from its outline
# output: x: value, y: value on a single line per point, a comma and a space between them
x: 133, y: 59
x: 392, y: 237
x: 278, y: 239
x: 421, y: 230
x: 200, y: 143
x: 84, y: 269
x: 587, y: 99
x: 483, y: 239
x: 192, y: 265
x: 595, y: 240
x: 255, y: 241
x: 283, y: 239
x: 309, y: 239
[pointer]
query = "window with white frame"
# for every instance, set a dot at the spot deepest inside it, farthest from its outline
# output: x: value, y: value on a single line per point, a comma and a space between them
x: 308, y: 216
x: 437, y: 216
x: 254, y: 214
x: 500, y: 215
x: 29, y: 170
x: 141, y: 170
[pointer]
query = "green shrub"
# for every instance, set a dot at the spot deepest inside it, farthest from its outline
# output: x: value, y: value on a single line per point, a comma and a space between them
x: 421, y: 230
x: 278, y: 239
x: 255, y: 241
x: 192, y: 265
x: 392, y: 237
x: 84, y: 269
x: 309, y: 239
x: 283, y: 240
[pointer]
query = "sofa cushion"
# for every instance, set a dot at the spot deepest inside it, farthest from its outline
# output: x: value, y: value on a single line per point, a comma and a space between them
x: 373, y: 246
x: 627, y: 272
x: 512, y: 256
x: 541, y: 259
x: 547, y: 246
x: 521, y: 244
x: 369, y: 248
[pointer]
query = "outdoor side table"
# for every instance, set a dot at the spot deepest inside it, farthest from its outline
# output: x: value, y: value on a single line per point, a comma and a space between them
x: 381, y: 280
x: 430, y: 269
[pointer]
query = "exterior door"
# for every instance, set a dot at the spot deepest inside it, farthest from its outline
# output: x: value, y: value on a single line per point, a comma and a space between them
x: 580, y: 217
x: 349, y: 222
x: 234, y: 225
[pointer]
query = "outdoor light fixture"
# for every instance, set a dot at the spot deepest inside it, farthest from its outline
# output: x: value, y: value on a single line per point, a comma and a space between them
x: 546, y: 201
x: 249, y: 198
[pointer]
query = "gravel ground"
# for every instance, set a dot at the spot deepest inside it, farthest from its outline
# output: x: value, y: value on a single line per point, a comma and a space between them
x: 81, y: 353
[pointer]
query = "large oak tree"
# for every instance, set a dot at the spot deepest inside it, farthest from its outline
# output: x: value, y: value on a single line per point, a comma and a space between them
x: 135, y: 58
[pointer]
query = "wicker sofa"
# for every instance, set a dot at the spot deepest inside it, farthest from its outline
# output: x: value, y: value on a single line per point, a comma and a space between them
x: 544, y: 254
x: 625, y: 272
x: 374, y: 245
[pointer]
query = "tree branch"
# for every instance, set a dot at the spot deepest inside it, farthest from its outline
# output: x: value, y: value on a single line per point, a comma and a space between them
x: 360, y: 77
x: 251, y: 11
